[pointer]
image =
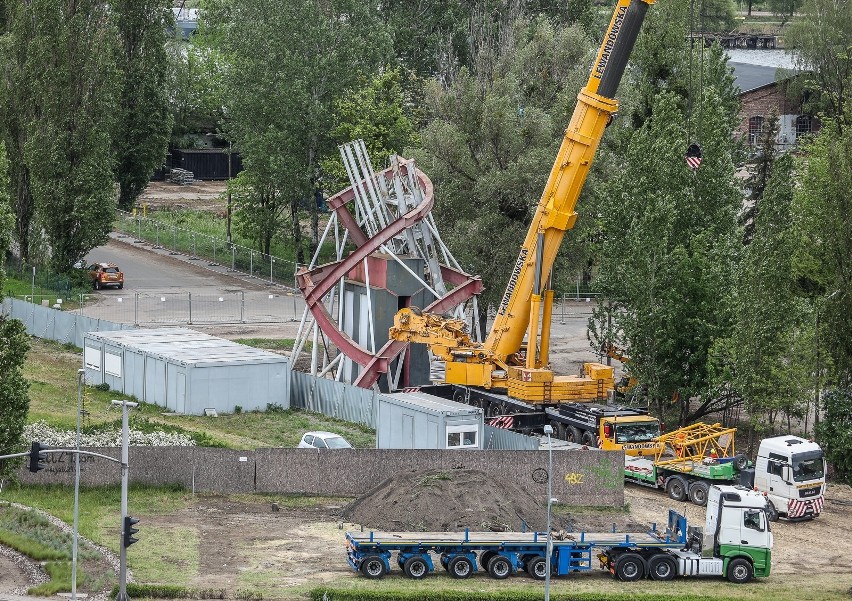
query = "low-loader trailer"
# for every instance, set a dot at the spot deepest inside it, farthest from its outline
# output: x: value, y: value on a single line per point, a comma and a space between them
x: 736, y: 543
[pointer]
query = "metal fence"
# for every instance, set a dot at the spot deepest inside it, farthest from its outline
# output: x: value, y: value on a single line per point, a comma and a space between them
x: 214, y: 249
x: 171, y: 308
x: 498, y: 439
x: 334, y: 399
x: 51, y: 324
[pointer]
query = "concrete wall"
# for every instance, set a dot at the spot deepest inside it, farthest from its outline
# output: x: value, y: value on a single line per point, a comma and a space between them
x: 580, y: 477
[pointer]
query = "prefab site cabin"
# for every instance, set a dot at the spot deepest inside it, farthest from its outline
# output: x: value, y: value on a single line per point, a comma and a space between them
x: 187, y: 371
x: 417, y: 420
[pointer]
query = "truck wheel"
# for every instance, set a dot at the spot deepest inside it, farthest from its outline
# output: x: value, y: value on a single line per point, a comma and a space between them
x: 537, y: 567
x: 415, y: 567
x: 698, y: 492
x: 499, y: 567
x: 588, y: 439
x: 676, y: 487
x: 740, y: 462
x: 485, y: 557
x: 460, y: 567
x: 771, y: 512
x: 629, y: 567
x: 662, y: 567
x: 573, y: 434
x: 740, y: 571
x: 373, y: 566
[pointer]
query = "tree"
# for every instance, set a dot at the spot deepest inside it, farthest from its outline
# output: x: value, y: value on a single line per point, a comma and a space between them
x: 759, y: 172
x: 144, y: 122
x: 491, y: 139
x: 668, y: 243
x: 285, y: 65
x: 375, y: 113
x: 64, y: 59
x: 14, y: 344
x: 820, y: 42
x: 834, y: 433
x: 771, y: 345
x: 822, y: 212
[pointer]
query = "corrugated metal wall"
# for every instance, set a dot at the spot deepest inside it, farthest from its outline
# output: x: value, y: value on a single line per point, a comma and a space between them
x: 498, y: 439
x: 52, y: 324
x: 335, y: 399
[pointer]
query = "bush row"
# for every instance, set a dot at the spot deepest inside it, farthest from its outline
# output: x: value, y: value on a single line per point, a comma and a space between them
x: 325, y: 594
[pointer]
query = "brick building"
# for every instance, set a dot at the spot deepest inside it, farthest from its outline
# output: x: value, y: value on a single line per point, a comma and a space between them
x: 761, y: 94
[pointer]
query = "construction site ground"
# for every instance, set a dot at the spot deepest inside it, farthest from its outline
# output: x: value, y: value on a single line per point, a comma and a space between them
x: 249, y: 544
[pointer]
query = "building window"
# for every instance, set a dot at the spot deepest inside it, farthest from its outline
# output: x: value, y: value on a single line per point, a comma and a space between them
x: 755, y: 127
x: 803, y: 125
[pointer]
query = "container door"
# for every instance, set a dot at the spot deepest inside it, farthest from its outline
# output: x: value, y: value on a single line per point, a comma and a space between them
x: 180, y: 392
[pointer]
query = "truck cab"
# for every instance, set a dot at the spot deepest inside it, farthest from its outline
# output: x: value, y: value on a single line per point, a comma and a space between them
x: 634, y: 434
x: 790, y: 470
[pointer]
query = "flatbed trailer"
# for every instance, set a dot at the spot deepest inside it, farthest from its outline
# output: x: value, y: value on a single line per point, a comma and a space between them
x: 628, y: 556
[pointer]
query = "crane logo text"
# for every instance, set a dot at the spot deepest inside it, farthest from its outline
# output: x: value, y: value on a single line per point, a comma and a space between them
x: 513, y: 281
x: 610, y: 42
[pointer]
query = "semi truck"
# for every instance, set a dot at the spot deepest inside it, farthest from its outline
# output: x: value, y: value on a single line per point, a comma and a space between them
x: 790, y: 470
x: 736, y: 542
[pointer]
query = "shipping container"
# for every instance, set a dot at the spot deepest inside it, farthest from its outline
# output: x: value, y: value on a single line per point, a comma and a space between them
x: 416, y: 420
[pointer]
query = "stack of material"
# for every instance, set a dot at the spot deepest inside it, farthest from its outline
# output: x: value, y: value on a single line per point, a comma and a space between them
x: 181, y: 176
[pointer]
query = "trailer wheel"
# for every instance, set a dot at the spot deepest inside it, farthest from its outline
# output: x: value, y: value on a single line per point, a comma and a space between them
x: 629, y: 567
x: 499, y: 567
x: 740, y: 571
x: 485, y: 557
x: 460, y: 567
x: 573, y: 434
x: 771, y: 512
x: 662, y: 567
x: 373, y: 566
x: 588, y: 439
x: 676, y: 487
x: 415, y: 567
x: 698, y: 493
x: 537, y: 567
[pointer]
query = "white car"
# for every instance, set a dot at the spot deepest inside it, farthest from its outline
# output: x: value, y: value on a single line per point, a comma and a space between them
x: 323, y: 440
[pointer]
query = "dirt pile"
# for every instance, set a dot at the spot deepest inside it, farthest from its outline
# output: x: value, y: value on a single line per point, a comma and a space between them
x: 445, y: 501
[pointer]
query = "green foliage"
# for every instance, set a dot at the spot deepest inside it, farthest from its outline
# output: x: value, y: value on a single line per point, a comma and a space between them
x: 144, y: 123
x: 68, y: 149
x: 339, y: 594
x: 820, y: 42
x: 668, y: 244
x: 491, y: 140
x: 6, y: 215
x: 14, y: 399
x: 768, y: 357
x: 286, y: 64
x: 375, y: 113
x: 834, y: 432
x: 60, y: 579
x: 137, y: 590
x: 822, y: 214
x: 33, y: 535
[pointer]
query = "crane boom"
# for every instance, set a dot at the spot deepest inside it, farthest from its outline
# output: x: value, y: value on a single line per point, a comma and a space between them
x: 500, y: 361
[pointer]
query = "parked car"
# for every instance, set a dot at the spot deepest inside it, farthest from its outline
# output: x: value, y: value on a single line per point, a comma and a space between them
x: 323, y: 440
x: 105, y: 274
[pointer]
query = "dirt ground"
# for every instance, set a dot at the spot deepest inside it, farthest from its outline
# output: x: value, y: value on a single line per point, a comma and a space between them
x: 250, y: 543
x: 201, y: 195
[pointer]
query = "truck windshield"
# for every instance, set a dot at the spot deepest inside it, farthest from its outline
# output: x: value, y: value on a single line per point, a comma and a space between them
x: 640, y: 432
x: 808, y: 466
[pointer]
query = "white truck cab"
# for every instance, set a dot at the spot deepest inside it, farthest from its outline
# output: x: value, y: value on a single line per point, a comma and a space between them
x: 790, y: 470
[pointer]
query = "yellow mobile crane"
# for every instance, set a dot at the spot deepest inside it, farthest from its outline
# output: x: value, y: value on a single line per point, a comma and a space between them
x: 503, y: 361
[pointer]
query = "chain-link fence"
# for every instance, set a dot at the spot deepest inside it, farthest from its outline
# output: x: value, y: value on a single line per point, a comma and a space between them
x: 213, y: 249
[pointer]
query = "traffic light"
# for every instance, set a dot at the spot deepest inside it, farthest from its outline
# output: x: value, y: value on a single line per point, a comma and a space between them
x: 129, y: 531
x: 37, y: 456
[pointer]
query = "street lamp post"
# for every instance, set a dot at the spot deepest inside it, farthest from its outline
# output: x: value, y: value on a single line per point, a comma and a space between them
x: 125, y: 457
x: 548, y: 429
x: 81, y: 377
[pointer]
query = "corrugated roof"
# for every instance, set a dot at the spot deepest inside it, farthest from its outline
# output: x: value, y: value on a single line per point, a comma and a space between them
x: 188, y: 347
x: 433, y: 403
x: 749, y: 77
